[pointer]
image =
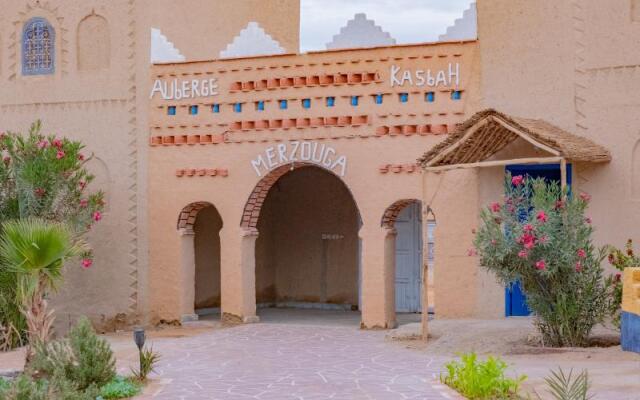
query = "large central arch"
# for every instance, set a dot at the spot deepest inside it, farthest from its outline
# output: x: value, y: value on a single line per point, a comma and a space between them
x: 307, y: 252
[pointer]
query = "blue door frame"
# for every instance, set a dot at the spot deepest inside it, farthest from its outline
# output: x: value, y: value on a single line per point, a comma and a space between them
x: 515, y: 302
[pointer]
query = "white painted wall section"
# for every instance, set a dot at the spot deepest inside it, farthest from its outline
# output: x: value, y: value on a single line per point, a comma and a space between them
x: 465, y: 28
x: 252, y: 41
x: 162, y: 50
x: 360, y: 32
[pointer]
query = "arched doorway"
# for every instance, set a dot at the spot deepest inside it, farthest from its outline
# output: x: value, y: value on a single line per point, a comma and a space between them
x: 307, y: 251
x: 200, y: 225
x: 404, y: 219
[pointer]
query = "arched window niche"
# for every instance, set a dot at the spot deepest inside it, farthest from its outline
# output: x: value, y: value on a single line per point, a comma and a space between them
x: 38, y: 47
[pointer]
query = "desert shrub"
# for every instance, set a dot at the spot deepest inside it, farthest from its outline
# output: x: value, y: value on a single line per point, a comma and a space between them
x: 480, y: 380
x: 25, y: 388
x: 120, y: 388
x: 619, y: 259
x: 540, y: 236
x: 83, y: 358
x: 148, y: 361
x: 569, y: 387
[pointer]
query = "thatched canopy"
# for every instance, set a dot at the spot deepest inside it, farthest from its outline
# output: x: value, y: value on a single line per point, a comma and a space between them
x: 489, y: 131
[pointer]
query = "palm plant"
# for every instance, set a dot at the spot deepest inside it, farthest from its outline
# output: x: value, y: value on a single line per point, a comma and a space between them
x: 35, y: 250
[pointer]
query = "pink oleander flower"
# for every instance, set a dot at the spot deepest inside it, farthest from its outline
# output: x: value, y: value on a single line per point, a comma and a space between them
x: 494, y: 242
x: 523, y: 254
x: 86, y: 263
x: 82, y: 185
x: 618, y: 277
x: 517, y: 180
x: 57, y: 143
x: 97, y: 216
x: 60, y: 154
x: 559, y: 205
x: 84, y: 203
x: 81, y: 157
x: 528, y: 228
x: 579, y: 266
x: 495, y: 207
x: 542, y: 217
x: 541, y: 265
x: 39, y: 192
x: 585, y: 196
x: 581, y: 253
x: 42, y: 144
x: 587, y: 220
x: 472, y: 252
x: 6, y: 160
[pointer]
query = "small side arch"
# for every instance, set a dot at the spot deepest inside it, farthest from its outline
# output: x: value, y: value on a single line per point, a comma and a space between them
x: 390, y: 215
x: 187, y: 217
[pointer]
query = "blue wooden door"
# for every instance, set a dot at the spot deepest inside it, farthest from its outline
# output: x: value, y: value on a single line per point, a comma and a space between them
x: 409, y: 259
x: 515, y: 300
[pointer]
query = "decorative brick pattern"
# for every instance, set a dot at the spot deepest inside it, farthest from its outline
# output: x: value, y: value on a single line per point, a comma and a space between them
x: 398, y: 168
x: 287, y: 123
x: 187, y: 217
x: 213, y: 172
x: 307, y: 81
x: 408, y: 130
x: 177, y: 140
x: 391, y: 213
x: 253, y: 206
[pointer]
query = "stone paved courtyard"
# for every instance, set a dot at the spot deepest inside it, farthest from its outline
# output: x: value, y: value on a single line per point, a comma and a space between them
x: 293, y: 360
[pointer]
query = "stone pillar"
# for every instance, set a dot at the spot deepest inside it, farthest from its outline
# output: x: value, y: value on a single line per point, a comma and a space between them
x: 238, y: 270
x: 378, y: 277
x: 187, y: 275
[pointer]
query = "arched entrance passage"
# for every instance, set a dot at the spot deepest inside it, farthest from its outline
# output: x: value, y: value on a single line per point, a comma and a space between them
x: 307, y: 251
x: 199, y: 225
x: 403, y: 222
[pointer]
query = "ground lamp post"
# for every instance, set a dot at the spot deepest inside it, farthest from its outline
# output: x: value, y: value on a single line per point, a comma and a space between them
x: 138, y: 338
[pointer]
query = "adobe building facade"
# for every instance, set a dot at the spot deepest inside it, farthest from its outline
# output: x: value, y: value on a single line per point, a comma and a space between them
x: 265, y: 178
x: 94, y: 89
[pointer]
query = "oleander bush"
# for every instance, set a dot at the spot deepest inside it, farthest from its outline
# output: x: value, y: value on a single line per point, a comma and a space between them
x: 540, y: 236
x: 481, y: 380
x: 44, y: 177
x: 620, y: 259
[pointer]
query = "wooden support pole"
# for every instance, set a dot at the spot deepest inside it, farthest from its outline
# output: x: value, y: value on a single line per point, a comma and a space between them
x: 498, y: 163
x: 563, y: 175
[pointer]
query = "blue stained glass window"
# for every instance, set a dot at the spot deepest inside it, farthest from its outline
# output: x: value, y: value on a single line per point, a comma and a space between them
x: 430, y: 97
x: 260, y: 105
x: 404, y: 97
x: 355, y: 100
x: 171, y: 110
x: 331, y: 101
x: 237, y: 107
x: 215, y: 108
x: 456, y: 95
x: 379, y: 98
x: 283, y: 104
x: 38, y: 47
x: 193, y: 110
x: 306, y: 103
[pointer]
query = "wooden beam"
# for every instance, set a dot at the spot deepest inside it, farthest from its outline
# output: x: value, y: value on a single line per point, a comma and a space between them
x: 563, y: 174
x: 526, y: 137
x: 497, y: 163
x: 460, y: 141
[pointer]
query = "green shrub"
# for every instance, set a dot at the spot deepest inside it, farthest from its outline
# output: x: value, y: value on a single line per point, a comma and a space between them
x: 619, y: 259
x: 120, y: 388
x: 566, y: 387
x: 83, y: 358
x: 541, y: 237
x: 148, y: 361
x: 479, y: 380
x: 25, y: 388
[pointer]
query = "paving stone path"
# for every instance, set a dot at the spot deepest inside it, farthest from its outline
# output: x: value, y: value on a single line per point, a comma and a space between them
x: 288, y: 361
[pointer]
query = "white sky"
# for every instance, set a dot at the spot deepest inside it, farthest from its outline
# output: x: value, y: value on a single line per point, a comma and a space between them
x: 408, y: 21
